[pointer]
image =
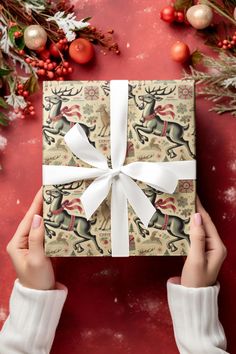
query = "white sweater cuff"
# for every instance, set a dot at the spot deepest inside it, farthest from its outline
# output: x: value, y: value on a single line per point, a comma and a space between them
x: 194, y: 313
x: 33, y: 318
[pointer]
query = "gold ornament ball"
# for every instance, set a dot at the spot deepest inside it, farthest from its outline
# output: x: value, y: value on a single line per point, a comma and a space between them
x: 35, y: 37
x: 199, y: 16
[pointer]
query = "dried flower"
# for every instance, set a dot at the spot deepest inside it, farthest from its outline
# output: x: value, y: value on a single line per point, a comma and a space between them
x: 16, y: 101
x: 68, y: 23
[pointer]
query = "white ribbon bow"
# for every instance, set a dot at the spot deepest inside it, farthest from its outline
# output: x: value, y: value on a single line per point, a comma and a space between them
x: 162, y: 176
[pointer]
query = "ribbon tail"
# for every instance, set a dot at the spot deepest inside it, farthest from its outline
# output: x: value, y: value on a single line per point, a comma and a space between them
x: 53, y: 174
x: 94, y: 195
x: 152, y: 173
x: 119, y: 221
x: 137, y: 199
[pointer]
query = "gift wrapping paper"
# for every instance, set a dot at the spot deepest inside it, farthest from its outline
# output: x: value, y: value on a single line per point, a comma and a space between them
x: 161, y: 127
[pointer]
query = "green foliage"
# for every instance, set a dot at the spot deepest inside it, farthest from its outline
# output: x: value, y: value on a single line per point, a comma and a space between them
x: 3, y: 103
x: 196, y: 57
x: 183, y: 4
x: 19, y: 42
x: 31, y: 84
x: 4, y: 120
x: 4, y: 72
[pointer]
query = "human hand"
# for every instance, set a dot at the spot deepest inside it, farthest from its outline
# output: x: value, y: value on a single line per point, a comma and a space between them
x: 33, y: 268
x: 207, y: 252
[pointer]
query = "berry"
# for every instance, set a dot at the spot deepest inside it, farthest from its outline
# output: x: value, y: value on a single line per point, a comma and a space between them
x: 50, y: 66
x: 179, y: 16
x: 59, y: 71
x: 50, y: 74
x: 41, y: 72
x: 25, y: 93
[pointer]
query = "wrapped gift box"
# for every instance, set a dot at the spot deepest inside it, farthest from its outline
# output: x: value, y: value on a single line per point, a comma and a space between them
x: 161, y: 127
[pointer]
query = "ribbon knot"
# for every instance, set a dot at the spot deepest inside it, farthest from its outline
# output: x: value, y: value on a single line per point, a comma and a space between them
x: 163, y: 176
x: 114, y: 172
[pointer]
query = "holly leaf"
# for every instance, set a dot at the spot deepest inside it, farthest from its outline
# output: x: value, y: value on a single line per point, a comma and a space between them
x: 17, y: 42
x: 183, y: 4
x: 31, y: 84
x: 3, y: 103
x: 4, y: 72
x: 4, y: 120
x: 196, y: 57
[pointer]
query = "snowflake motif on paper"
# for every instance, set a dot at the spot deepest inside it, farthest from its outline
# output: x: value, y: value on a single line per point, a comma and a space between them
x: 185, y: 119
x: 91, y: 93
x: 185, y: 92
x: 132, y: 116
x: 181, y: 108
x: 186, y: 212
x: 182, y: 202
x: 88, y: 109
x: 185, y: 186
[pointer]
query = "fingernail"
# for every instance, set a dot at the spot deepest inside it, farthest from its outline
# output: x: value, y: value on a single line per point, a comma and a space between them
x: 36, y: 221
x: 198, y: 219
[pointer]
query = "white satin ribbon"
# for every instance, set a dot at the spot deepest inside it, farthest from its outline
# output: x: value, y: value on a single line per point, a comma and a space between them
x: 162, y: 176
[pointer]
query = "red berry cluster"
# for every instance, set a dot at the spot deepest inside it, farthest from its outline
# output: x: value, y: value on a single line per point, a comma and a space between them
x: 169, y: 14
x: 50, y: 69
x: 228, y: 43
x: 29, y: 109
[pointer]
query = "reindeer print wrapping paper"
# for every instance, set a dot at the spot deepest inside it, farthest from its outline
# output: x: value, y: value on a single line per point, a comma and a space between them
x: 161, y: 127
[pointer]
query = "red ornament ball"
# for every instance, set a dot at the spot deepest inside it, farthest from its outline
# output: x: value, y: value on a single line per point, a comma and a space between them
x: 167, y: 14
x: 55, y: 49
x: 81, y: 51
x: 45, y: 54
x: 180, y: 52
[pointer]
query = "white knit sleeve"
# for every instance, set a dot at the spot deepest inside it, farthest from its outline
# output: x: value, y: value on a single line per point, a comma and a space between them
x: 31, y: 324
x: 194, y: 313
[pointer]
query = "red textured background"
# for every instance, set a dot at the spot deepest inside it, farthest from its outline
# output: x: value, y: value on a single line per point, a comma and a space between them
x: 119, y: 305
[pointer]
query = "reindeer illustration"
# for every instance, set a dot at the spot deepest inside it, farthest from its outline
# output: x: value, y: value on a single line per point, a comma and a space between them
x: 57, y: 122
x: 105, y: 118
x: 105, y: 212
x: 173, y: 224
x: 59, y: 218
x: 152, y: 123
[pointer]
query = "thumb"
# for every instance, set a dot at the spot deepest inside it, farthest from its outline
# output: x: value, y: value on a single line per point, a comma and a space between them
x: 36, y: 236
x: 197, y: 238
